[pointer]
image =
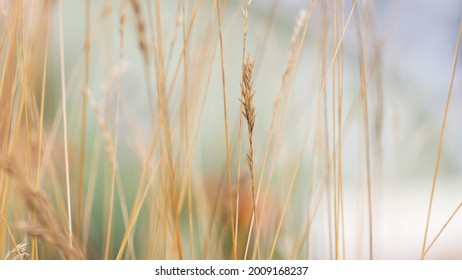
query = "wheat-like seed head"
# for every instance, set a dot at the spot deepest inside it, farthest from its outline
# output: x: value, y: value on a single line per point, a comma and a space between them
x: 46, y: 226
x: 247, y: 102
x: 292, y: 57
x: 19, y: 252
x: 140, y: 29
x: 247, y: 94
x: 249, y: 114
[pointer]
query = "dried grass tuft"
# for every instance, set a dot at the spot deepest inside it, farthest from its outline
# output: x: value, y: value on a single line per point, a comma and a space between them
x: 46, y: 226
x: 19, y: 252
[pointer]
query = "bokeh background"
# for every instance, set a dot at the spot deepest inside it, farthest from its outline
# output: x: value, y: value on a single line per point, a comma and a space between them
x: 408, y: 49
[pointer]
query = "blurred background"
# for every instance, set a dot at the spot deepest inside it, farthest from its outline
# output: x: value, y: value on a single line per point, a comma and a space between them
x: 385, y: 66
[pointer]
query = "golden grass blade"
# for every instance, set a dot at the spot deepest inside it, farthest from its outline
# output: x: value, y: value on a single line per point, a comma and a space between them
x: 225, y: 112
x: 440, y: 146
x: 64, y: 106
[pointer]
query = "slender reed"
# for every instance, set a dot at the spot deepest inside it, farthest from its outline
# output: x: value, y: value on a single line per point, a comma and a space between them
x: 440, y: 147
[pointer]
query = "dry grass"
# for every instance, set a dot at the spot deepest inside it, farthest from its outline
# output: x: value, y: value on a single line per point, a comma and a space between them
x: 248, y: 111
x: 18, y: 253
x: 46, y: 226
x: 122, y: 133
